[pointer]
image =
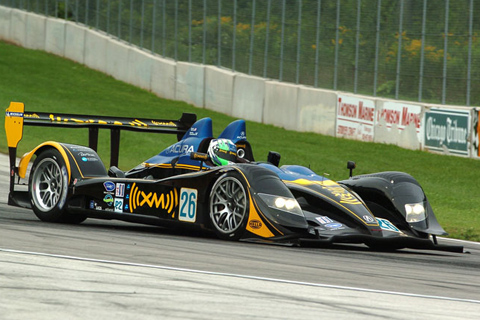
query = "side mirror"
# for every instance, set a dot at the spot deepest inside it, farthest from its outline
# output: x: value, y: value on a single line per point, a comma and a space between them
x: 199, y: 156
x: 274, y: 158
x: 351, y: 165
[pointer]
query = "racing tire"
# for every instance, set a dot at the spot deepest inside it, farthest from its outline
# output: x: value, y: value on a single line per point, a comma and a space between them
x: 229, y: 206
x: 48, y: 188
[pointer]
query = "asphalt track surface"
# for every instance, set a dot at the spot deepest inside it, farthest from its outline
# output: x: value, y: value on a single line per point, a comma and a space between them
x: 114, y: 270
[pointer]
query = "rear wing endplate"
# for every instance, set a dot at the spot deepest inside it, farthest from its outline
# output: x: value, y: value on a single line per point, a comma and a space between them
x: 16, y: 117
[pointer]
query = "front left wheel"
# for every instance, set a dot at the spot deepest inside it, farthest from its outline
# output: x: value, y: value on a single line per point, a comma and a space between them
x: 229, y: 206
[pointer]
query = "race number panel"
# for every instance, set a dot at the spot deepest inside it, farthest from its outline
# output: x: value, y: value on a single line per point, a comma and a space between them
x: 188, y: 205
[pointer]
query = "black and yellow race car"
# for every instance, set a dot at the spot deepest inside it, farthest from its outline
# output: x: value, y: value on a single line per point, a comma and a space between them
x: 214, y: 184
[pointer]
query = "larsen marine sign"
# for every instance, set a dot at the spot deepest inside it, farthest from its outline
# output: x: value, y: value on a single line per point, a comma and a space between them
x: 447, y: 129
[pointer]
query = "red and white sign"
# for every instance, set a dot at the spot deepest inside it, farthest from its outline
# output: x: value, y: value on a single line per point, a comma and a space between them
x: 355, y: 118
x: 400, y: 115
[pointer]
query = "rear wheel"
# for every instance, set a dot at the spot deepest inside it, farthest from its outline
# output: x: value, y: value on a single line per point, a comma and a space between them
x: 229, y: 207
x: 48, y: 188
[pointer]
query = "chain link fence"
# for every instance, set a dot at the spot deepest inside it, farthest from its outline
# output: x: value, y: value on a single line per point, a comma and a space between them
x: 418, y: 50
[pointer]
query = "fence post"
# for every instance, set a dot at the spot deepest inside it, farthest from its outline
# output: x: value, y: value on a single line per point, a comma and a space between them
x: 377, y: 44
x: 154, y: 23
x: 445, y: 49
x: 337, y: 38
x: 204, y: 30
x: 422, y: 51
x: 267, y: 36
x: 469, y: 59
x: 299, y: 37
x: 189, y: 30
x: 317, y: 42
x: 219, y: 34
x: 399, y: 52
x: 252, y: 35
x: 280, y: 76
x: 357, y: 46
x: 234, y: 40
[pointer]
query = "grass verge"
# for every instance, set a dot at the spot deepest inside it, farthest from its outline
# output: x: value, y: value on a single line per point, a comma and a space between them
x: 48, y: 83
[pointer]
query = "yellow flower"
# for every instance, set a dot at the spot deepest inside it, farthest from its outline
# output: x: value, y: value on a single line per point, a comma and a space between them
x: 225, y: 19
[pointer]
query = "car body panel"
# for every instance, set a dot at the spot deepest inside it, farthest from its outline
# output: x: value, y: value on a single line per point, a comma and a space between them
x: 289, y: 204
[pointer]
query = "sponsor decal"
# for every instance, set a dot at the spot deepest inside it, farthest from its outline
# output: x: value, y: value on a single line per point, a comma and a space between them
x: 387, y: 225
x: 447, y: 129
x: 400, y: 114
x: 31, y: 115
x: 109, y: 186
x: 255, y: 224
x: 334, y: 188
x: 334, y: 226
x: 242, y: 136
x: 14, y: 114
x: 193, y: 132
x: 368, y: 219
x: 120, y: 190
x: 108, y: 199
x: 139, y: 198
x: 188, y: 205
x: 345, y: 196
x: 118, y: 205
x: 355, y: 118
x: 163, y: 123
x: 178, y: 148
x: 92, y: 204
x: 324, y: 219
x: 86, y: 154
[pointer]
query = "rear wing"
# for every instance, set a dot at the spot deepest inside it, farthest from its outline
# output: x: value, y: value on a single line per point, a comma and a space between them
x: 16, y: 117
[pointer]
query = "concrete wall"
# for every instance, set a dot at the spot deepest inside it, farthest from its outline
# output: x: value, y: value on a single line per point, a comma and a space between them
x: 117, y: 53
x: 55, y: 36
x: 316, y: 110
x: 75, y: 42
x: 293, y: 107
x: 219, y: 89
x: 5, y: 20
x: 248, y: 97
x: 35, y: 32
x: 18, y: 26
x: 95, y: 50
x: 280, y: 107
x: 139, y: 68
x: 163, y: 77
x: 189, y: 83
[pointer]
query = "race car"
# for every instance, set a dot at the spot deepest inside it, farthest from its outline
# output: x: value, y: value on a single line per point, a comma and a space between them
x: 214, y: 184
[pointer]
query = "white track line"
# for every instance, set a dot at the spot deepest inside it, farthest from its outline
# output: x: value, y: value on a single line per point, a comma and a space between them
x: 320, y: 285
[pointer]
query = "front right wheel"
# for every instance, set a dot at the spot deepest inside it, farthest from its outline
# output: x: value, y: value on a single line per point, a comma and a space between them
x: 229, y: 206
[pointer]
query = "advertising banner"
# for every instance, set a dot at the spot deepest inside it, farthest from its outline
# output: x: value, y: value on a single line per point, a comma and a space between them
x: 447, y: 130
x: 400, y: 115
x: 476, y: 133
x: 355, y: 118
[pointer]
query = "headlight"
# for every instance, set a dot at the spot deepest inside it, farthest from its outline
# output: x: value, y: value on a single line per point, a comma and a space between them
x: 289, y: 205
x: 415, y: 212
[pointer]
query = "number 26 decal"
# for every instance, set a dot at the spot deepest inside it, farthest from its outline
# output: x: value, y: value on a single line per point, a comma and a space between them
x: 188, y: 205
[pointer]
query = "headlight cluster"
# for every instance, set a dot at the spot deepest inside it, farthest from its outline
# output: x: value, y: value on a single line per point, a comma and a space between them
x: 282, y: 203
x: 415, y: 212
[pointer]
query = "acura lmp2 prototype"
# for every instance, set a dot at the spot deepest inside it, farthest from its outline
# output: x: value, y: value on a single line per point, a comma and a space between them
x: 214, y: 184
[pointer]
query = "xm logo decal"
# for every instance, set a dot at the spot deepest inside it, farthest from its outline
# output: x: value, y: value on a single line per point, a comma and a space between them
x: 165, y: 201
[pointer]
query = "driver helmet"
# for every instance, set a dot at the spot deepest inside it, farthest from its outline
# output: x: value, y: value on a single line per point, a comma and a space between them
x: 222, y: 152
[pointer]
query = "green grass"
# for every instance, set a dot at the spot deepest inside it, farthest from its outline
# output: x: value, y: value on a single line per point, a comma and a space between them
x: 47, y: 83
